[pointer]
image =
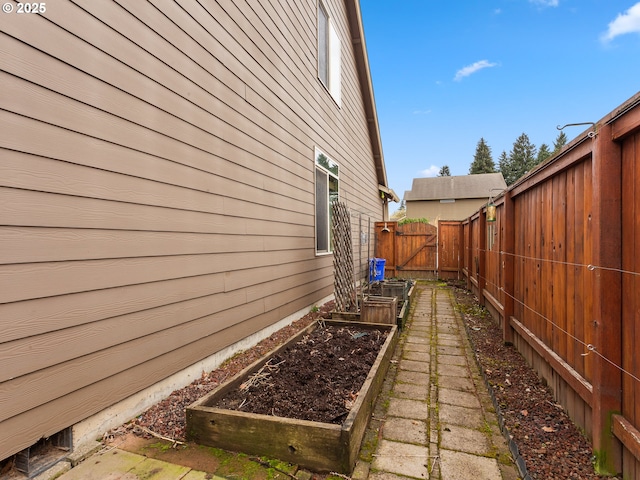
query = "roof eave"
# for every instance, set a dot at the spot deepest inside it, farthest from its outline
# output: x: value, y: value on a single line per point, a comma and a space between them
x: 366, y: 86
x: 388, y: 193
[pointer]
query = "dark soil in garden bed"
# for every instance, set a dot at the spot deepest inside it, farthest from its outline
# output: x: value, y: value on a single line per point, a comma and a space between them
x: 317, y: 378
x: 168, y: 417
x: 550, y: 444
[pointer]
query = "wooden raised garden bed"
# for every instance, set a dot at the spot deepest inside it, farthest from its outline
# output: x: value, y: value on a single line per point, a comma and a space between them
x: 377, y: 309
x: 380, y: 306
x: 318, y: 446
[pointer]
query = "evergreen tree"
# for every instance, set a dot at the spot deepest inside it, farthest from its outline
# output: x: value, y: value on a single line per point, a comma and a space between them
x: 522, y: 156
x: 561, y: 141
x: 543, y: 153
x: 506, y: 168
x: 482, y: 160
x: 444, y: 171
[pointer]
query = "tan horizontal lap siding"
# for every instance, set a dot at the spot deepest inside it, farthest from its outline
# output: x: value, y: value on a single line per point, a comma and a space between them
x: 137, y: 337
x: 157, y: 192
x: 93, y: 397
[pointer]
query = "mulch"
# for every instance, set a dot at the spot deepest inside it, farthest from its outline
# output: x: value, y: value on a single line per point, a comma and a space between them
x: 551, y: 445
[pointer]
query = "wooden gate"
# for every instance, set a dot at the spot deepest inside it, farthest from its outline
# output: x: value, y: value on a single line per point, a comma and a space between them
x: 410, y: 250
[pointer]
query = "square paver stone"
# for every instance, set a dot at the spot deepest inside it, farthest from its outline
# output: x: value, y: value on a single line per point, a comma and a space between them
x: 449, y: 342
x: 455, y: 437
x: 449, y: 327
x: 152, y: 469
x: 417, y: 356
x: 407, y: 408
x: 464, y: 384
x: 449, y: 350
x: 417, y: 347
x: 457, y: 397
x: 402, y: 458
x: 111, y: 465
x: 406, y: 376
x: 452, y: 360
x: 452, y: 370
x: 411, y: 391
x: 414, y: 366
x: 463, y: 416
x: 421, y: 339
x: 448, y: 334
x: 405, y: 430
x: 460, y: 465
x: 420, y: 324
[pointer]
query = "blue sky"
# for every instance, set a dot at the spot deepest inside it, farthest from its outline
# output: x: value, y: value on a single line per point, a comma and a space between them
x: 448, y: 72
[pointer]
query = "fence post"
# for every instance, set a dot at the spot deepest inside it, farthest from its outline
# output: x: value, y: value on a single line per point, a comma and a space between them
x: 482, y: 254
x: 469, y: 253
x: 508, y: 262
x: 607, y: 320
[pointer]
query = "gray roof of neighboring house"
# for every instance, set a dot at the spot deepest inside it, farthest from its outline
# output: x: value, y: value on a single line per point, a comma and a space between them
x: 462, y: 186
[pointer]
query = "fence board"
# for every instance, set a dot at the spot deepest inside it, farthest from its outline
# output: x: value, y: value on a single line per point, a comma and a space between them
x: 579, y: 271
x: 588, y: 275
x: 492, y: 261
x: 559, y: 267
x: 385, y: 245
x: 450, y: 254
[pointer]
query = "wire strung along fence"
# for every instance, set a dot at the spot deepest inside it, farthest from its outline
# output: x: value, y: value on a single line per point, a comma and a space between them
x: 343, y: 265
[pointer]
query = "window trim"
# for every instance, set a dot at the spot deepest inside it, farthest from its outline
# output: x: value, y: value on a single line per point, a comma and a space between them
x: 329, y: 49
x: 323, y: 45
x: 319, y: 169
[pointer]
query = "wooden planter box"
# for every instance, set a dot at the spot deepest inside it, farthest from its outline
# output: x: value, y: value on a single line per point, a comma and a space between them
x: 403, y: 289
x: 321, y: 447
x: 380, y: 310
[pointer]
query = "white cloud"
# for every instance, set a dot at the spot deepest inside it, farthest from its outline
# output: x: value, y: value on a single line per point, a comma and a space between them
x: 546, y: 3
x: 473, y: 68
x: 628, y: 22
x: 432, y: 171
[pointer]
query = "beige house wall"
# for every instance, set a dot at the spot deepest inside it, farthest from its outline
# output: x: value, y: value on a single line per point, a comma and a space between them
x: 434, y: 210
x: 157, y: 191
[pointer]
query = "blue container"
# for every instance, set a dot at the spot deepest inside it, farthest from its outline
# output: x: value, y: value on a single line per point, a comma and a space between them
x: 376, y: 269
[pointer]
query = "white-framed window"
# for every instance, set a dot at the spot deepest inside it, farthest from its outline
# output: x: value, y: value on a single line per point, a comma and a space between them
x: 328, y: 53
x: 326, y: 173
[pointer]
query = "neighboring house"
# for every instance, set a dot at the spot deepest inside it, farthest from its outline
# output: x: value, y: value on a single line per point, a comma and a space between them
x: 451, y: 198
x: 166, y: 176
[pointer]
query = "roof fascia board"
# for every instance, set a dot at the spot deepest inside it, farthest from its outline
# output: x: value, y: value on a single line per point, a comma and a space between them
x: 366, y: 86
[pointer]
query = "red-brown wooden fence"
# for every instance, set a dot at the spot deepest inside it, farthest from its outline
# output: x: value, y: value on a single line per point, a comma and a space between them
x: 560, y: 271
x: 410, y: 250
x: 450, y: 252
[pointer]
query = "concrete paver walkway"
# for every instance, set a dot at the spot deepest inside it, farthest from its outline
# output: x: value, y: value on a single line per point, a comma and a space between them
x: 440, y: 422
x: 436, y: 422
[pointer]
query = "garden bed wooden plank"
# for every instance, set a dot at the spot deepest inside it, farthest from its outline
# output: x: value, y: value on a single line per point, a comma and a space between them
x: 314, y: 445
